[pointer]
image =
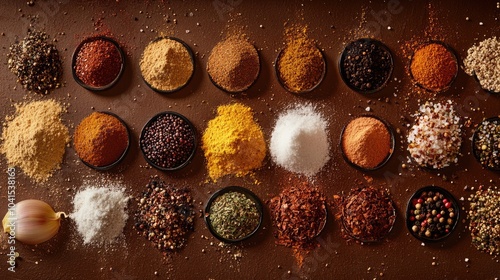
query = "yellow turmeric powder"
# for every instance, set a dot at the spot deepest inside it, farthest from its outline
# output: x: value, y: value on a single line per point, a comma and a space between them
x: 233, y: 142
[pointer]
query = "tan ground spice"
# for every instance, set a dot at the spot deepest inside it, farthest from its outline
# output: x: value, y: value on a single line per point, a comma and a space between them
x: 166, y: 64
x: 233, y: 142
x: 35, y: 138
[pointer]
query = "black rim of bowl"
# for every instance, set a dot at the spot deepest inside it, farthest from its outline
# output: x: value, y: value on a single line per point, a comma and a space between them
x: 283, y: 84
x: 448, y: 196
x: 343, y: 74
x: 348, y: 231
x: 154, y: 118
x: 191, y: 56
x: 245, y: 89
x: 238, y: 189
x: 455, y: 58
x: 474, y: 139
x: 75, y: 55
x: 387, y: 158
x: 115, y: 163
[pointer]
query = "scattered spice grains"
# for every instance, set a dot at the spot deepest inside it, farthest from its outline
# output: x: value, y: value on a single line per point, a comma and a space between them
x: 482, y: 61
x: 434, y: 140
x: 300, y: 65
x: 98, y: 62
x: 234, y: 64
x: 486, y: 143
x: 299, y: 215
x: 366, y: 142
x: 166, y: 64
x: 368, y: 214
x: 168, y: 141
x: 366, y: 65
x: 299, y: 141
x: 484, y: 216
x: 433, y: 66
x: 100, y: 139
x: 233, y: 142
x: 165, y: 215
x: 36, y: 63
x: 35, y: 138
x: 432, y: 214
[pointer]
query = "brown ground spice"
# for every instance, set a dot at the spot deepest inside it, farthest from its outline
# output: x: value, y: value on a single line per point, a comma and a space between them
x: 434, y: 67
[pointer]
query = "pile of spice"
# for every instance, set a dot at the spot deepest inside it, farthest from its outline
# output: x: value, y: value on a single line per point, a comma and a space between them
x: 483, y: 61
x: 299, y: 215
x: 300, y: 65
x: 166, y: 64
x: 484, y: 216
x: 165, y: 215
x: 100, y: 139
x: 434, y: 140
x: 35, y: 138
x: 36, y: 63
x: 98, y: 62
x: 366, y: 142
x: 299, y: 141
x: 100, y: 212
x: 486, y: 143
x: 366, y: 65
x: 433, y: 66
x: 233, y: 142
x: 432, y: 214
x: 234, y: 64
x: 234, y: 216
x: 368, y: 214
x: 168, y: 141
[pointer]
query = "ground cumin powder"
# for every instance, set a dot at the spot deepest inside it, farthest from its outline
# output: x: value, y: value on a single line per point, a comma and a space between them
x: 35, y: 138
x: 233, y: 142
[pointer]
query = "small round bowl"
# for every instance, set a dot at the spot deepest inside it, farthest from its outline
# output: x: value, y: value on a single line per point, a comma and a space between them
x: 487, y: 90
x: 190, y: 157
x: 191, y: 55
x: 416, y: 195
x: 392, y: 142
x: 249, y: 194
x: 107, y: 167
x: 452, y: 52
x: 283, y: 84
x: 75, y: 55
x: 343, y: 73
x: 474, y: 139
x: 243, y: 90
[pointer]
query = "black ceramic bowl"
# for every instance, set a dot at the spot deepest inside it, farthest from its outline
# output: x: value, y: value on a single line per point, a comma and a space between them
x: 343, y: 71
x: 411, y: 206
x: 452, y: 52
x: 392, y: 143
x: 107, y: 167
x: 487, y: 90
x: 192, y: 61
x: 75, y: 55
x: 249, y: 194
x: 475, y: 139
x: 153, y: 119
x: 283, y: 84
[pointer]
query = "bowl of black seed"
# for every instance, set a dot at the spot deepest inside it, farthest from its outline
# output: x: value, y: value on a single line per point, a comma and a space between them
x: 366, y: 65
x: 486, y: 143
x: 168, y: 141
x: 432, y: 214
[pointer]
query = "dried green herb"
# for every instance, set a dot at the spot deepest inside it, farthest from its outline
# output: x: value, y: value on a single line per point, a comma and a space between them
x: 234, y: 216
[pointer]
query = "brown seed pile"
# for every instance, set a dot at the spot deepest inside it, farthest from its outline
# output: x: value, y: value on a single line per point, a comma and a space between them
x: 483, y: 61
x: 484, y: 217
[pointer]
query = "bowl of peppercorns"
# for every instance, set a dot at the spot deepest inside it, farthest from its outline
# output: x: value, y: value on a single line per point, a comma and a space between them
x: 486, y: 143
x: 168, y: 141
x: 432, y: 214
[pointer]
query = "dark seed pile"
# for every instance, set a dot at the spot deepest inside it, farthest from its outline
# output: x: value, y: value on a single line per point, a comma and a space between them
x: 36, y: 63
x: 168, y: 141
x: 432, y: 215
x: 367, y: 66
x: 164, y: 215
x: 484, y: 216
x: 299, y: 215
x: 487, y: 143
